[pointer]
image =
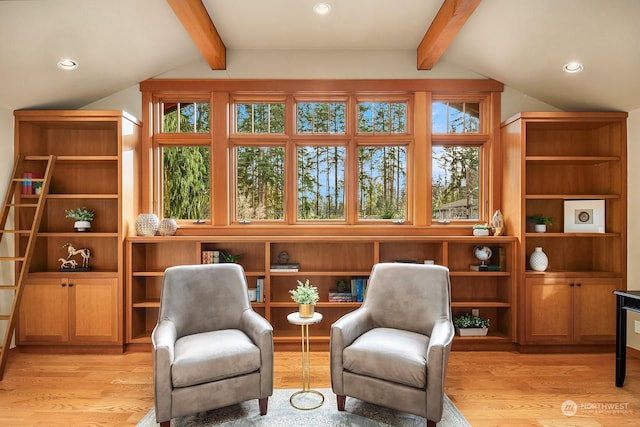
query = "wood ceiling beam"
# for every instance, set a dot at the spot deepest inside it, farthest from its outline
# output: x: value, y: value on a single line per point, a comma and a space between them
x: 195, y: 19
x: 447, y: 23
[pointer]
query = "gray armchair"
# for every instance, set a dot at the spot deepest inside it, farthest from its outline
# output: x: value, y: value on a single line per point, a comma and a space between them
x: 393, y: 350
x: 210, y: 349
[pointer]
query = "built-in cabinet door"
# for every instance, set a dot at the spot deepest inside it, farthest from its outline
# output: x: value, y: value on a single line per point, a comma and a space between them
x: 595, y: 310
x: 548, y: 305
x: 570, y: 310
x: 93, y: 310
x: 43, y: 313
x: 71, y: 310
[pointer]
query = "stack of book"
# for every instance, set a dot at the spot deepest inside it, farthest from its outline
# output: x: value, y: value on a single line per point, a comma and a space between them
x: 340, y: 297
x: 285, y: 268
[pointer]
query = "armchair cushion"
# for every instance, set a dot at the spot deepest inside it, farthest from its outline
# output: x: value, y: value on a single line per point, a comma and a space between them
x: 389, y: 354
x: 212, y: 356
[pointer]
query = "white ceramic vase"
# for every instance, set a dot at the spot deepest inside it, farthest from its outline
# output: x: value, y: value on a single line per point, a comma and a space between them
x: 147, y: 224
x: 167, y: 227
x: 538, y: 260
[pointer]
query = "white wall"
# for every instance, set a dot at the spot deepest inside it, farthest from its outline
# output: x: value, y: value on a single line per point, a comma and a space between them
x: 633, y: 225
x: 6, y: 244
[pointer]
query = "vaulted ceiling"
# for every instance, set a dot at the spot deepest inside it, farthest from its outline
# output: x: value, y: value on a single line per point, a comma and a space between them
x: 521, y: 43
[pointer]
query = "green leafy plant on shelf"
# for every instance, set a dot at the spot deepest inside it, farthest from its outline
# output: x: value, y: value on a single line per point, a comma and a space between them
x: 305, y: 293
x: 230, y: 258
x: 468, y: 320
x: 540, y: 219
x: 80, y: 214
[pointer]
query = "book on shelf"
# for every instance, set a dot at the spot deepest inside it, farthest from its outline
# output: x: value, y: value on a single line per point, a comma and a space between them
x: 359, y: 288
x: 486, y: 267
x: 340, y: 297
x: 285, y: 268
x: 210, y: 257
x: 27, y: 184
x: 260, y: 289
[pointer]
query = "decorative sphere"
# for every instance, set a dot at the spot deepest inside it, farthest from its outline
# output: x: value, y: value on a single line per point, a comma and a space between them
x: 483, y: 253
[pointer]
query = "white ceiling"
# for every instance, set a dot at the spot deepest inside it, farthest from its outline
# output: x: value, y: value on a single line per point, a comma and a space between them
x: 522, y: 43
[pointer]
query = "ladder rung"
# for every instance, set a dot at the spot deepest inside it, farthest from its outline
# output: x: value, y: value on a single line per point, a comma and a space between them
x: 9, y: 258
x: 4, y: 317
x: 23, y: 205
x: 8, y: 287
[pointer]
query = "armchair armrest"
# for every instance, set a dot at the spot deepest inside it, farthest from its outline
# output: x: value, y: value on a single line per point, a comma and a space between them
x: 438, y: 351
x: 163, y: 339
x: 261, y: 333
x: 344, y: 332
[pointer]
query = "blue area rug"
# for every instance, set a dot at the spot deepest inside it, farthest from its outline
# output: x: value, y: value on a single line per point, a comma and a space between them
x: 281, y: 413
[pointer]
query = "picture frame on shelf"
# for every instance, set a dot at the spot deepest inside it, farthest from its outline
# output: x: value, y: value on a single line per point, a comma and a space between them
x: 584, y: 216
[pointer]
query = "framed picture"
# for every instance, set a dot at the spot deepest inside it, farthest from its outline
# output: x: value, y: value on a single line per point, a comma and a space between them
x: 584, y: 216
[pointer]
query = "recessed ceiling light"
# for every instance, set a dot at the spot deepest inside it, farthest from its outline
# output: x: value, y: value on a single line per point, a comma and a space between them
x: 321, y: 8
x: 572, y: 67
x: 67, y: 64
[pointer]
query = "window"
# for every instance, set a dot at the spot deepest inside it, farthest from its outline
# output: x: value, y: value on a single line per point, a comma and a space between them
x: 456, y: 182
x: 321, y: 183
x: 321, y: 153
x: 185, y: 117
x: 320, y: 117
x: 382, y: 182
x: 260, y: 183
x: 459, y: 139
x: 186, y: 183
x: 183, y: 155
x: 259, y: 118
x: 382, y: 117
x: 456, y: 117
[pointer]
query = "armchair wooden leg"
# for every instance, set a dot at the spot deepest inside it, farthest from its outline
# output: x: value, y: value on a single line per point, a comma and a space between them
x: 431, y: 423
x: 165, y: 423
x: 263, y: 402
x: 340, y: 400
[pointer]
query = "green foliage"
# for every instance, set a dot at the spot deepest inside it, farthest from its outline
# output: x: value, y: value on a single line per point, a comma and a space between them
x: 341, y: 285
x: 305, y: 293
x: 468, y: 320
x: 540, y: 219
x: 230, y: 258
x: 455, y: 192
x: 382, y: 182
x: 186, y: 182
x: 80, y: 214
x: 260, y: 183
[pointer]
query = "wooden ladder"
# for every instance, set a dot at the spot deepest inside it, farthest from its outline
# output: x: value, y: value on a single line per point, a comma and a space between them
x: 29, y: 210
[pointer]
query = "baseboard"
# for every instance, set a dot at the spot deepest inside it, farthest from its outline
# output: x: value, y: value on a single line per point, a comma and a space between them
x: 633, y: 352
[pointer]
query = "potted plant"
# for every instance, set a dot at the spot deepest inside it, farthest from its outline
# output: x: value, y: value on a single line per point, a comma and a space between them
x: 82, y: 217
x: 540, y: 221
x: 341, y: 286
x: 229, y: 257
x: 469, y: 325
x: 481, y: 229
x: 306, y: 295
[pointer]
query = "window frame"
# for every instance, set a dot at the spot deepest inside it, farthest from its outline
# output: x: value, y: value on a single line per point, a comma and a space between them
x: 220, y: 93
x: 481, y: 139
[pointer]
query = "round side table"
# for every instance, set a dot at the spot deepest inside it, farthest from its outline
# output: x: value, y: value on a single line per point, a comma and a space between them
x: 304, y: 322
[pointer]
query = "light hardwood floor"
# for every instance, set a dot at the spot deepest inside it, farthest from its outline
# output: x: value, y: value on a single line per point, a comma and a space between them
x: 489, y: 388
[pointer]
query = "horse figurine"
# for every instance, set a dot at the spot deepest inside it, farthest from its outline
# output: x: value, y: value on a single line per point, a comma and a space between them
x: 67, y: 263
x: 84, y: 252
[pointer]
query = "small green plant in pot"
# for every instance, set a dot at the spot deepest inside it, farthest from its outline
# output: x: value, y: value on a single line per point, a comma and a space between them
x: 306, y: 295
x: 230, y: 258
x: 470, y: 325
x: 82, y: 217
x: 540, y: 222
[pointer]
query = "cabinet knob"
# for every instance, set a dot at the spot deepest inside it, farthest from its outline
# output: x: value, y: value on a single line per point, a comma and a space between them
x: 71, y: 285
x: 571, y: 284
x: 63, y: 284
x: 578, y: 284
